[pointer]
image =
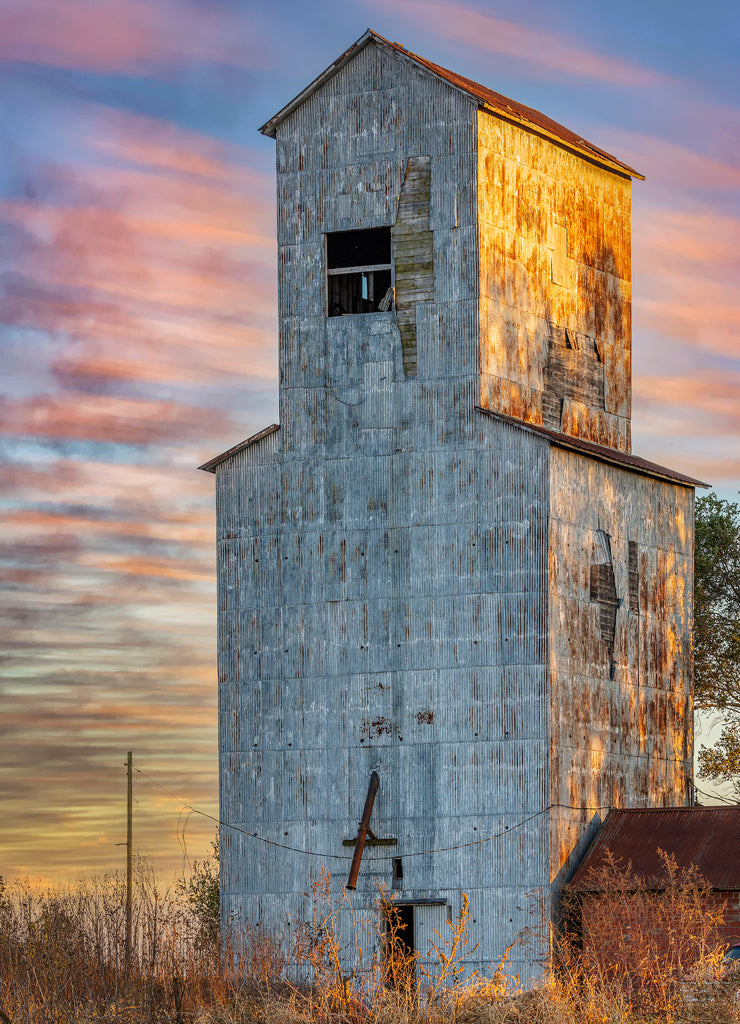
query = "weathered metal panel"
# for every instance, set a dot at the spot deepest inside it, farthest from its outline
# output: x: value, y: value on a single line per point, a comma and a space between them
x: 413, y: 250
x: 555, y: 286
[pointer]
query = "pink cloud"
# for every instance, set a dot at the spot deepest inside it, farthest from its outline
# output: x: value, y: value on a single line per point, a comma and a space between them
x: 545, y: 53
x: 161, y: 568
x: 122, y: 35
x: 686, y: 271
x: 101, y: 418
x: 158, y: 266
x: 714, y: 396
x: 183, y: 528
x: 669, y: 164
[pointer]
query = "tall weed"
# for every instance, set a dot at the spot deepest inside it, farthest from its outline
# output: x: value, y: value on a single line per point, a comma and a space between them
x: 62, y: 960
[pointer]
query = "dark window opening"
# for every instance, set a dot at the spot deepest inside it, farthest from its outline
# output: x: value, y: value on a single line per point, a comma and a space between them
x: 358, y: 267
x: 397, y: 870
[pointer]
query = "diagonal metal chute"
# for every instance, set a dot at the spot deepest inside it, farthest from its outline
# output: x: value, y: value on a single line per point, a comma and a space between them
x: 363, y: 830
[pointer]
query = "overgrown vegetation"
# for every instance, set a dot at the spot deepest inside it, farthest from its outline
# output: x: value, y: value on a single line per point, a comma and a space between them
x: 717, y: 630
x: 653, y: 944
x: 62, y: 960
x: 202, y: 894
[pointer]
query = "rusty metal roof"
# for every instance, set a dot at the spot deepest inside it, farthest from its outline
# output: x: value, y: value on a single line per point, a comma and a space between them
x: 210, y: 466
x: 625, y: 460
x: 493, y: 102
x: 707, y: 837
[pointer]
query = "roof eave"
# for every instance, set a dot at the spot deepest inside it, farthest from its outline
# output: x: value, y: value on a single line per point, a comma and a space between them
x: 591, y: 153
x: 589, y: 449
x: 592, y: 156
x: 212, y: 465
x: 270, y: 127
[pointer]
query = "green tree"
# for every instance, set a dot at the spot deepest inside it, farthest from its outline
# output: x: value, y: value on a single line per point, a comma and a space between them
x: 201, y: 891
x: 717, y: 630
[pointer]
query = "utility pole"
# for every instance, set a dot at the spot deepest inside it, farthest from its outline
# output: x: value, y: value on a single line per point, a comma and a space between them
x: 129, y: 854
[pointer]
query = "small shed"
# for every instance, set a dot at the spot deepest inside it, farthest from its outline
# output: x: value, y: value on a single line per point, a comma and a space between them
x: 705, y: 838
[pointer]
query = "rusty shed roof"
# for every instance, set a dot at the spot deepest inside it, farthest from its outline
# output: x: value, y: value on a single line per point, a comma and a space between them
x: 494, y: 102
x: 707, y: 837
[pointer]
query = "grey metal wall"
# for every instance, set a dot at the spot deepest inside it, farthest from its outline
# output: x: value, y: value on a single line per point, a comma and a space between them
x: 382, y: 559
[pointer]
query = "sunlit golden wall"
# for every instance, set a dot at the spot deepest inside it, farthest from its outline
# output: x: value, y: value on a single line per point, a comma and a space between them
x: 555, y: 300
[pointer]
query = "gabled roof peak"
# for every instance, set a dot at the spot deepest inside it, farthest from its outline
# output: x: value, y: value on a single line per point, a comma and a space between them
x: 493, y: 102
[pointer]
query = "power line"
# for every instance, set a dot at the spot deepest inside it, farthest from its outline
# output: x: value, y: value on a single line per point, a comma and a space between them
x: 340, y: 856
x: 714, y: 796
x: 235, y: 828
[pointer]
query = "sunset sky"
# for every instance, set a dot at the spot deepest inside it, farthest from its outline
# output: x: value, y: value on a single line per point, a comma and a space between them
x: 138, y: 327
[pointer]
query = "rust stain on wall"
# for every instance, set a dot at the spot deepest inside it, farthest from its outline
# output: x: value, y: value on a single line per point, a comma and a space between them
x: 555, y: 286
x: 378, y: 727
x: 622, y: 715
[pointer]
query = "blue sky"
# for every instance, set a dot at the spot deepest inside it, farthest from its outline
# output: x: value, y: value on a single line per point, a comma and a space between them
x: 138, y: 327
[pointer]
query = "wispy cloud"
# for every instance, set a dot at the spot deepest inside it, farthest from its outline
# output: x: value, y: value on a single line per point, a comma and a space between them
x: 138, y: 303
x: 668, y: 164
x: 106, y: 419
x: 107, y: 639
x: 687, y: 276
x: 543, y: 53
x: 155, y: 268
x: 713, y: 395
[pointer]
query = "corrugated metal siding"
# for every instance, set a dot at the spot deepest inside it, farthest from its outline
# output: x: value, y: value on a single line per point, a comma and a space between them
x: 621, y: 736
x: 410, y: 649
x: 556, y: 353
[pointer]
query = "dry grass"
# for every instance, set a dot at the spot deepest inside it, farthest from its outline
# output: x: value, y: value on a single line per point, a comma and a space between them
x: 62, y: 960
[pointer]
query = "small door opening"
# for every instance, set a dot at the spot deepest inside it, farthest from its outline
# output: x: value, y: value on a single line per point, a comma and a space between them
x: 399, y: 940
